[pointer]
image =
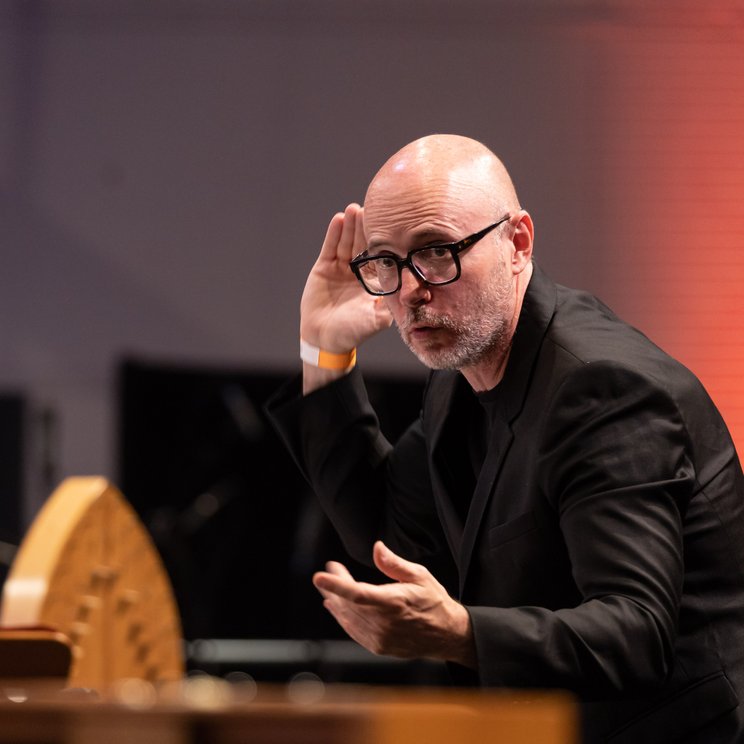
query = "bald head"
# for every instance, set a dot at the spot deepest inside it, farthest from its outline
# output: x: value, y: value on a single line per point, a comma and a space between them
x: 443, y: 166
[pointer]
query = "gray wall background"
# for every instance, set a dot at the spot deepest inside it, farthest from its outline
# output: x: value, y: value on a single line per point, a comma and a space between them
x: 168, y: 169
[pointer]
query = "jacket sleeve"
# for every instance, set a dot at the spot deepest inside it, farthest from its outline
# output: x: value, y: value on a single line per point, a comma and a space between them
x: 614, y: 462
x: 369, y: 488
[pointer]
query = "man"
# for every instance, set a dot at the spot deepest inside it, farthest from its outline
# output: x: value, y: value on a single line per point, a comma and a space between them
x: 572, y: 485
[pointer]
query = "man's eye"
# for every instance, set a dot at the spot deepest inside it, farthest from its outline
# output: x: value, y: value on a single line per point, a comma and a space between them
x: 385, y: 262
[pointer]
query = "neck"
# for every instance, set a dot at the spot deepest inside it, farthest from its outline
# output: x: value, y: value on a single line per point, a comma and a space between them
x: 488, y: 373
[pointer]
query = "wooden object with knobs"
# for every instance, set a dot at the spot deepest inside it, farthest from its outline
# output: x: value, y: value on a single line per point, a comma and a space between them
x: 88, y: 569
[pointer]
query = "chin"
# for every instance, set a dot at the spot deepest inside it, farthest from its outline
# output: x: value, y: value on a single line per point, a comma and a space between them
x: 434, y: 359
x: 433, y: 356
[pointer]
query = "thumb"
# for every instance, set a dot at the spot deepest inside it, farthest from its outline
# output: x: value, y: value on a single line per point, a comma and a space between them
x: 383, y: 316
x: 395, y: 567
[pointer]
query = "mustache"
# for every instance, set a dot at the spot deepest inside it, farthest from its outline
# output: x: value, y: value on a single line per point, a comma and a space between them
x: 423, y: 316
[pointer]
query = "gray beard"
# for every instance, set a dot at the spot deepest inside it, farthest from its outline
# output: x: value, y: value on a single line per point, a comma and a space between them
x: 482, y: 333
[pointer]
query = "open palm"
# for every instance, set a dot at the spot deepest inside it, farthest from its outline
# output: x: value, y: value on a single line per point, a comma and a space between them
x: 336, y: 313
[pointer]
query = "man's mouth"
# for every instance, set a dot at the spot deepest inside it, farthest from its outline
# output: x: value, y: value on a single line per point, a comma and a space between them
x: 421, y: 325
x: 424, y: 330
x: 419, y: 318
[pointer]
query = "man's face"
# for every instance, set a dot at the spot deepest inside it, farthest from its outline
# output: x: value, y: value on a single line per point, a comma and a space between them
x: 467, y: 329
x: 459, y: 325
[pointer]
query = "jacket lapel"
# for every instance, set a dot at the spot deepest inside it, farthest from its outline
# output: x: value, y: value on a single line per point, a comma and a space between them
x: 442, y: 394
x: 499, y: 441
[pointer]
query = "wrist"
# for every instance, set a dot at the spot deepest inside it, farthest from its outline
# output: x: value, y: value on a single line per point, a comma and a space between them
x: 324, y: 359
x: 314, y: 378
x: 463, y: 643
x: 320, y: 367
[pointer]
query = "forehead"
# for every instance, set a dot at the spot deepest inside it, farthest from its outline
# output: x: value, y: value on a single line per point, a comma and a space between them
x: 402, y: 211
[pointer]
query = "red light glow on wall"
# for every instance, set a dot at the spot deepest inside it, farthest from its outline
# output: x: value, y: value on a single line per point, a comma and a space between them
x: 672, y: 99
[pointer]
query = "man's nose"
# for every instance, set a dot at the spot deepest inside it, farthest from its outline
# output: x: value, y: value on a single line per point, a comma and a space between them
x: 413, y: 290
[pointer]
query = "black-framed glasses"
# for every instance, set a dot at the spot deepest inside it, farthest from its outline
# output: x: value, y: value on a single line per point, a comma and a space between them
x: 433, y: 264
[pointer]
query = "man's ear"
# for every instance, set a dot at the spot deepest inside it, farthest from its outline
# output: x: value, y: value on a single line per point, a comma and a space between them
x: 523, y: 239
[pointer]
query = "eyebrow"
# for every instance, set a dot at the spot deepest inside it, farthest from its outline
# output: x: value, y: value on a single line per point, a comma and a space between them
x: 428, y: 236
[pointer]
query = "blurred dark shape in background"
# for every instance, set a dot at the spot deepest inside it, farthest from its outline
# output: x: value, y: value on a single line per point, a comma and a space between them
x: 12, y: 435
x: 238, y: 528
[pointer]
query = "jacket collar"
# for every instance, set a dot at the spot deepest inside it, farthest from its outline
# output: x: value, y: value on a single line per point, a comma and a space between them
x: 535, y: 316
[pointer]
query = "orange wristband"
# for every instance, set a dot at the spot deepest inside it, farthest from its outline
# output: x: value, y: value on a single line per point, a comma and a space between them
x: 326, y: 359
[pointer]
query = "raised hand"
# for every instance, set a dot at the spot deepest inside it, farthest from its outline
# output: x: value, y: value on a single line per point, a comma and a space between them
x: 336, y: 314
x: 413, y: 617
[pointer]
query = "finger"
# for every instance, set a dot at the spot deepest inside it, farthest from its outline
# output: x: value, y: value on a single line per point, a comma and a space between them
x: 345, y: 249
x: 328, y: 583
x: 333, y: 568
x: 383, y: 315
x: 360, y: 241
x: 328, y: 586
x: 345, y: 587
x: 395, y: 567
x: 338, y: 569
x: 329, y: 248
x: 323, y: 592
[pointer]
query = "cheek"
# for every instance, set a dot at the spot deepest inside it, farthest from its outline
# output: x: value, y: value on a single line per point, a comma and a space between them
x: 458, y: 294
x: 394, y: 306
